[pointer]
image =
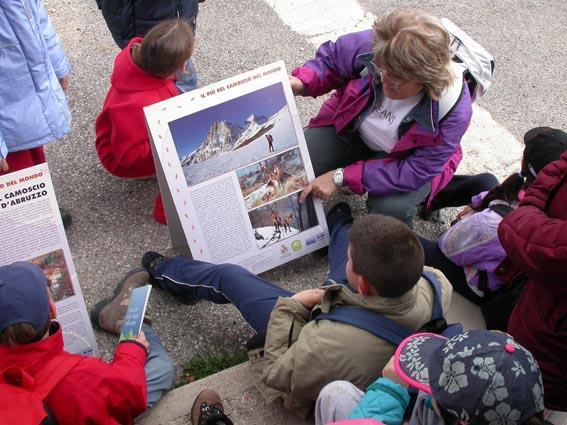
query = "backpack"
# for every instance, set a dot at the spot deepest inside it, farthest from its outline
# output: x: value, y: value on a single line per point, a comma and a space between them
x: 385, y: 328
x: 496, y: 306
x: 471, y: 61
x: 22, y: 395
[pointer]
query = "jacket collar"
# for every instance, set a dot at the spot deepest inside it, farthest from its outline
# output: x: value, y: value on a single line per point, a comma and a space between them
x: 340, y: 294
x: 33, y: 356
x: 423, y: 112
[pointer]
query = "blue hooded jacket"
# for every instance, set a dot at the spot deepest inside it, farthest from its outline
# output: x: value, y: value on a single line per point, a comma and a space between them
x: 33, y: 108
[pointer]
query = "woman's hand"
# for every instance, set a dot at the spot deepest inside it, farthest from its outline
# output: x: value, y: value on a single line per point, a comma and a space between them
x: 322, y: 187
x: 4, y: 165
x: 297, y: 86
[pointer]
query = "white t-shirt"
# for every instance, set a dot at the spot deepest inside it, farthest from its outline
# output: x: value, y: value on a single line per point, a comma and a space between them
x: 379, y: 130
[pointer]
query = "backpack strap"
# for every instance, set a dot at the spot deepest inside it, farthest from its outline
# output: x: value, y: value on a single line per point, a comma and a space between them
x: 501, y: 209
x: 369, y: 321
x: 378, y: 324
x: 451, y: 95
x: 53, y: 372
x: 437, y: 312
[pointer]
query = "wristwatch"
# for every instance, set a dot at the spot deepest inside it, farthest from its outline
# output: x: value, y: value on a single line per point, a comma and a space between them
x: 338, y: 177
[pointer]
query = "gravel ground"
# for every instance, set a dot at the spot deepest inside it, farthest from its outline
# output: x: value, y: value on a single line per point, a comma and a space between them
x: 112, y: 218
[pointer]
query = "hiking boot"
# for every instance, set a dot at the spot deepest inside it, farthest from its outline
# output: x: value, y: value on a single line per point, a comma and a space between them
x: 208, y: 409
x: 109, y: 313
x: 150, y: 261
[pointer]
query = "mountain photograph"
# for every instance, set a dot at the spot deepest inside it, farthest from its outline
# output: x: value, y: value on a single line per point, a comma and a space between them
x: 232, y: 134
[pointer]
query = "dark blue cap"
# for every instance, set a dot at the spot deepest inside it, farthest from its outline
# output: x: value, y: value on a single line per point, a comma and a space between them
x: 23, y: 296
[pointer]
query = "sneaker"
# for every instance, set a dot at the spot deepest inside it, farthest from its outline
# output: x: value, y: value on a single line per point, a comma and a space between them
x: 150, y: 261
x: 109, y: 313
x: 340, y: 208
x: 208, y: 409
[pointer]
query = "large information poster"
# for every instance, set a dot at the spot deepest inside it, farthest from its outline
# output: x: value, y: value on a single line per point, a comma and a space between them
x: 232, y: 161
x: 32, y: 230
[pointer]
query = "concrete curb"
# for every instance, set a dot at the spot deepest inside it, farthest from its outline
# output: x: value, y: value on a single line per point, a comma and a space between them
x: 242, y: 402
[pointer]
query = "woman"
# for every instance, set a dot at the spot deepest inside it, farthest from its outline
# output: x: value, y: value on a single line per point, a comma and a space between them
x: 381, y: 131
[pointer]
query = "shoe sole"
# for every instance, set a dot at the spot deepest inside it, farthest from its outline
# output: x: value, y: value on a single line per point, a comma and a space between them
x: 95, y: 312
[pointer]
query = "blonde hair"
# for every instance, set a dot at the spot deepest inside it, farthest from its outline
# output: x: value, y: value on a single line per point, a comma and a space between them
x: 414, y: 46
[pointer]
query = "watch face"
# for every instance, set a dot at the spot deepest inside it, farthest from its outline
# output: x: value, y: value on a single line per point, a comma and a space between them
x: 338, y: 178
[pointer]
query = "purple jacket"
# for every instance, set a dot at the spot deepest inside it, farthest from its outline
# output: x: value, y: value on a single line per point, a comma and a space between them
x: 427, y: 150
x: 473, y: 243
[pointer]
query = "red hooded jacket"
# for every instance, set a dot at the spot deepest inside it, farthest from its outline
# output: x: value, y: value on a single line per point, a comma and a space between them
x: 535, y: 239
x: 93, y: 392
x: 122, y: 140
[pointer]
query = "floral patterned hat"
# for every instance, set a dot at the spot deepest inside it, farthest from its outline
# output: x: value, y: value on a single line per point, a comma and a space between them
x: 482, y: 377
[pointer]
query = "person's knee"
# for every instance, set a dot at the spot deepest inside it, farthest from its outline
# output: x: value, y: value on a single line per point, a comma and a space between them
x: 163, y: 370
x: 228, y: 270
x: 385, y: 206
x: 486, y: 181
x: 334, y: 402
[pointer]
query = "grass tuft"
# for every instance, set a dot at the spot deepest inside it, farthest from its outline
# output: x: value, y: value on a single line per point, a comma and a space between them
x: 203, y: 366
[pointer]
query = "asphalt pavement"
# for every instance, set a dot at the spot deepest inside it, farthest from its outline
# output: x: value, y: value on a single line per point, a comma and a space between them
x: 112, y: 224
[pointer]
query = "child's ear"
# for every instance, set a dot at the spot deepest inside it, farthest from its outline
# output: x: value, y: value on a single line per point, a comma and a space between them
x: 365, y: 287
x: 52, y: 310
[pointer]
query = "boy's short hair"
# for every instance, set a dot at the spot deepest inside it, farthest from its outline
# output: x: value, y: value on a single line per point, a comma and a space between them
x: 166, y: 47
x: 387, y: 253
x: 24, y: 303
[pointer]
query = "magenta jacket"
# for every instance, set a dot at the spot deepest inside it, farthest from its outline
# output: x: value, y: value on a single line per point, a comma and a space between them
x: 427, y: 150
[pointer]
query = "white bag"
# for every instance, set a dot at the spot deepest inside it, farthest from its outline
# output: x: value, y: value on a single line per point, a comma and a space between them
x: 476, y: 63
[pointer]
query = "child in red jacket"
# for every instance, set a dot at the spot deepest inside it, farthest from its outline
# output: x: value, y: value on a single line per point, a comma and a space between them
x: 143, y: 74
x: 92, y: 391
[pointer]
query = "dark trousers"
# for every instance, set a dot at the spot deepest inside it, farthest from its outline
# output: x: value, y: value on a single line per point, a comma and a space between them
x: 462, y: 188
x: 191, y: 280
x: 329, y: 151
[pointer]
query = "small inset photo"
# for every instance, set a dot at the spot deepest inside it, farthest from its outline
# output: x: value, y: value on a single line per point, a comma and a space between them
x: 272, y: 178
x: 55, y: 269
x: 282, y: 219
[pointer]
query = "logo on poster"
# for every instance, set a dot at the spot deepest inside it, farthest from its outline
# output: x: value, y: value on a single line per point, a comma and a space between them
x: 296, y: 245
x: 283, y: 249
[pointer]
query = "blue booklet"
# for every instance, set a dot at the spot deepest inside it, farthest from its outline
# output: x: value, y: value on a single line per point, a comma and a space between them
x: 135, y: 314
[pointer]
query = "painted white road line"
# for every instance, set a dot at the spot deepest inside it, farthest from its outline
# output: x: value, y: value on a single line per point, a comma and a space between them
x: 322, y: 20
x: 488, y: 146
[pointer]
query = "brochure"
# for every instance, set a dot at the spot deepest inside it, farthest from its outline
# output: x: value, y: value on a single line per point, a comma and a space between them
x: 136, y: 311
x: 32, y: 230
